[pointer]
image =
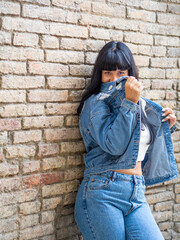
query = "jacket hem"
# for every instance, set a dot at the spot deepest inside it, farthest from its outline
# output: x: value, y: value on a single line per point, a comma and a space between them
x: 154, y: 181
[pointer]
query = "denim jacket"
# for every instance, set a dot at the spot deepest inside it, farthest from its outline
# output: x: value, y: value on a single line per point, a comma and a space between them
x: 110, y: 126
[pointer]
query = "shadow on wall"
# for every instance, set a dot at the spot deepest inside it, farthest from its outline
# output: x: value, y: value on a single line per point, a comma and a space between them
x: 65, y: 225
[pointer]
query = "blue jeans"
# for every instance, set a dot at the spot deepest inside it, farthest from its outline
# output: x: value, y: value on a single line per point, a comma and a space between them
x: 112, y: 206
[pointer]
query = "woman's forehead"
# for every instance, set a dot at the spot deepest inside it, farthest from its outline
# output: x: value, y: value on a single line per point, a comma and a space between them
x: 115, y: 70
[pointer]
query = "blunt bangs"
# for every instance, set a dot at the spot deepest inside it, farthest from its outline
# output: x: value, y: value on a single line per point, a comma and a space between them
x: 113, y: 60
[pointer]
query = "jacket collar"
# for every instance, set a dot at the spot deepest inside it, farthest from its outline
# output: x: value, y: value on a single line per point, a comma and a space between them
x: 110, y: 85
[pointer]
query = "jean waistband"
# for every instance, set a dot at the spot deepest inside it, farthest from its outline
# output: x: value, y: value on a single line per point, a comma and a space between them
x: 118, y: 175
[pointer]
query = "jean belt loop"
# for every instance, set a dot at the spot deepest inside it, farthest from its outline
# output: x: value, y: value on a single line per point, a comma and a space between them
x: 134, y: 179
x: 113, y: 176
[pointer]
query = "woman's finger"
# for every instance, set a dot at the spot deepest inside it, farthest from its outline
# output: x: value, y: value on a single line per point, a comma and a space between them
x: 171, y: 119
x: 166, y: 111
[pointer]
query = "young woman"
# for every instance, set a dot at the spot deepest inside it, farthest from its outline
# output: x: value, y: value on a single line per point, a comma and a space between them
x: 128, y: 143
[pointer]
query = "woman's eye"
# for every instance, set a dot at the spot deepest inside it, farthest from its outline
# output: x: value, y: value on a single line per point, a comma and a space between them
x: 121, y: 73
x: 107, y: 73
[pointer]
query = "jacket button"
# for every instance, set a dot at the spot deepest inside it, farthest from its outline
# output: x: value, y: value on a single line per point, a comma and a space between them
x: 92, y: 180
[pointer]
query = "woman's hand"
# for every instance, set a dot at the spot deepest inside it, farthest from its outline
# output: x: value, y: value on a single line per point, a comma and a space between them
x: 168, y: 112
x: 133, y: 89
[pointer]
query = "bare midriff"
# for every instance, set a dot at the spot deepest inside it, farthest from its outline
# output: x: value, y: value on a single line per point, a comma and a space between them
x: 133, y: 171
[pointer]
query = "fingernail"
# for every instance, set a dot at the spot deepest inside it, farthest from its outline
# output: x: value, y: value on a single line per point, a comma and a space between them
x: 163, y: 109
x: 163, y: 114
x: 163, y: 120
x: 168, y: 117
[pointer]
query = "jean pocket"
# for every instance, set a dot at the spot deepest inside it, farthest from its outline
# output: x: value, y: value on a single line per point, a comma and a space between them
x: 97, y: 182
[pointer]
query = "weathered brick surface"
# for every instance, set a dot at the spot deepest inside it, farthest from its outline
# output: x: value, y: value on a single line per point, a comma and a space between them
x: 8, y: 169
x: 26, y: 39
x: 62, y: 134
x: 22, y: 82
x: 43, y: 122
x: 29, y: 221
x: 3, y: 138
x: 51, y: 203
x: 17, y: 110
x: 18, y: 197
x: 37, y: 231
x: 20, y: 151
x: 8, y: 211
x: 12, y: 67
x: 53, y: 163
x: 47, y: 52
x: 27, y: 136
x: 21, y: 54
x: 9, y: 8
x: 48, y: 149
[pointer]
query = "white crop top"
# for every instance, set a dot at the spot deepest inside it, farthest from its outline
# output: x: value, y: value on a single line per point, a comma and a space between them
x: 144, y: 137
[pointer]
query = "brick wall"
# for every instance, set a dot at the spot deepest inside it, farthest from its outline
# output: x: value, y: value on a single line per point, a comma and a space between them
x: 48, y: 48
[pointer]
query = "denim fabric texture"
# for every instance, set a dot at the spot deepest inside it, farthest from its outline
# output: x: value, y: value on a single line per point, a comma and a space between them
x: 112, y: 206
x: 110, y: 126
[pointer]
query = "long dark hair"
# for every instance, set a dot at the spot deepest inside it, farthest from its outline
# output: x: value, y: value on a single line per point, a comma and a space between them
x: 114, y: 55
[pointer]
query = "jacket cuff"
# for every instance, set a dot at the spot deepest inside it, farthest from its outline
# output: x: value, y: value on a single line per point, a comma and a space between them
x: 173, y: 128
x: 130, y: 105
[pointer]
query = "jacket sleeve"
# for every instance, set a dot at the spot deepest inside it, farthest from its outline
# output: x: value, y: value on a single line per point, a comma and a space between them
x: 112, y: 133
x: 173, y: 128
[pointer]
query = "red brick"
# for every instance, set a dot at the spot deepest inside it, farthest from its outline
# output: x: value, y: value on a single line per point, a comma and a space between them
x: 27, y: 136
x: 25, y: 25
x: 74, y: 173
x: 9, y: 8
x: 26, y: 39
x: 75, y: 96
x: 29, y: 207
x: 49, y: 178
x: 47, y: 95
x: 163, y: 84
x: 48, y: 149
x: 8, y: 169
x: 72, y: 121
x: 65, y: 83
x: 45, y: 13
x: 30, y: 166
x: 31, y: 181
x: 48, y: 69
x: 12, y: 96
x: 22, y: 82
x: 8, y: 211
x: 16, y: 110
x: 21, y: 54
x: 1, y: 154
x: 43, y: 122
x: 3, y: 138
x: 10, y: 124
x: 171, y: 95
x: 10, y: 184
x: 53, y: 163
x: 72, y: 147
x: 176, y: 136
x: 74, y: 160
x: 12, y: 67
x: 51, y: 203
x: 17, y: 197
x: 61, y: 108
x: 37, y: 231
x: 42, y: 179
x: 20, y: 151
x: 68, y: 30
x: 61, y: 134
